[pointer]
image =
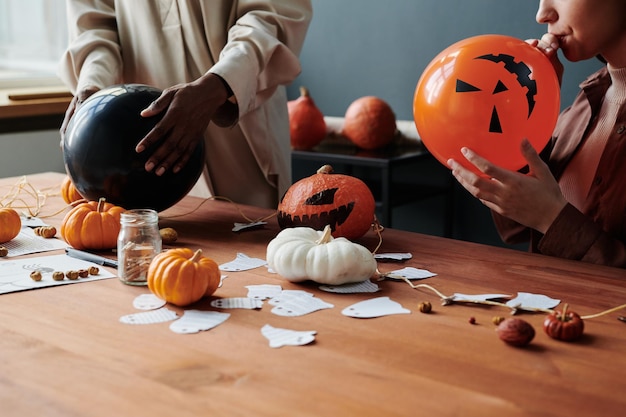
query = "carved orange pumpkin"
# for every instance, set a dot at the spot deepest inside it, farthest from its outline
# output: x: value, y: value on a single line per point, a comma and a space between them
x: 182, y: 276
x: 343, y: 202
x: 69, y: 191
x: 369, y: 123
x: 306, y: 122
x: 10, y: 224
x: 92, y: 225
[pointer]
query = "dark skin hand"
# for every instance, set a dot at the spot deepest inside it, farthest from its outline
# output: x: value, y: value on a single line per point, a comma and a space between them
x: 77, y: 100
x: 188, y: 111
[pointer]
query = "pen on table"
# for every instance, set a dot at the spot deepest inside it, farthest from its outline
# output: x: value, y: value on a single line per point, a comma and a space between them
x: 90, y: 257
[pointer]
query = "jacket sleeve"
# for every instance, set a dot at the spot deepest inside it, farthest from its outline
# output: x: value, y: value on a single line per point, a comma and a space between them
x: 510, y: 231
x: 93, y: 56
x: 575, y: 236
x: 263, y: 47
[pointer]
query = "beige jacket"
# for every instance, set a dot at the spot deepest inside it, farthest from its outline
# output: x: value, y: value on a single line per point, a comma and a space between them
x: 252, y: 44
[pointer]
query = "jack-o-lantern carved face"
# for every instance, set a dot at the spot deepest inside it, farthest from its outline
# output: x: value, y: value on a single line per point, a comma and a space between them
x: 487, y: 93
x: 341, y: 201
x: 322, y: 211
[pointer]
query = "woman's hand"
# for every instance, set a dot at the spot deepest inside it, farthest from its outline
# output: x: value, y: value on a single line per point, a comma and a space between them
x: 549, y: 45
x: 188, y: 109
x: 534, y: 200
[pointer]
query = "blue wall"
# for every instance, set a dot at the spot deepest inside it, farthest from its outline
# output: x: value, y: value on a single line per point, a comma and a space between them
x: 356, y: 48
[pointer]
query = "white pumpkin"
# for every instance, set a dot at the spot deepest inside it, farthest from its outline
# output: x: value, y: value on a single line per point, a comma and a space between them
x: 303, y: 253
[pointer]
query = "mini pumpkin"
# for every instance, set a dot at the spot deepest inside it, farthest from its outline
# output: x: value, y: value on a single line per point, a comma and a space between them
x: 182, y: 277
x: 92, y: 225
x: 10, y: 224
x: 564, y: 325
x: 302, y: 253
x: 369, y: 123
x: 307, y: 126
x: 69, y: 192
x: 343, y: 202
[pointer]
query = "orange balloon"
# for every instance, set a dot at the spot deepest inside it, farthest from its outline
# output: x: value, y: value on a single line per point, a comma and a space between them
x: 487, y: 93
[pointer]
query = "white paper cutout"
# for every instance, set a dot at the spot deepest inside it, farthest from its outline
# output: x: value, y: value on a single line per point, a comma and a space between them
x: 529, y: 301
x: 237, y: 302
x: 353, y: 288
x: 243, y: 226
x: 263, y: 291
x: 295, y: 305
x: 393, y: 256
x: 194, y: 321
x: 410, y: 273
x: 27, y: 242
x: 15, y: 273
x: 286, y: 295
x: 222, y: 278
x: 242, y: 263
x: 284, y: 337
x: 161, y: 315
x: 477, y: 297
x: 148, y: 302
x: 376, y: 307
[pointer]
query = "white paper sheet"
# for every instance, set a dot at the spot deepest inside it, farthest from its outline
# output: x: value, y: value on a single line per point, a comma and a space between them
x: 28, y: 242
x: 15, y: 273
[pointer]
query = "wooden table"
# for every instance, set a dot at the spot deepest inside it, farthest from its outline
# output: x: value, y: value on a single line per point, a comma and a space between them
x: 65, y: 353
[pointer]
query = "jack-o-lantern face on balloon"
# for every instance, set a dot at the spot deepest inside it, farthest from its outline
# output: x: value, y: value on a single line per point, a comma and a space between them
x: 487, y: 93
x: 341, y: 201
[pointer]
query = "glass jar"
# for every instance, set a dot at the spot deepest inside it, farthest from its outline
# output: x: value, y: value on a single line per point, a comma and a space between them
x: 138, y: 242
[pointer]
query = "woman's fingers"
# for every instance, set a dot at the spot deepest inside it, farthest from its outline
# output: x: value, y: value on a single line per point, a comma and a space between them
x: 549, y: 42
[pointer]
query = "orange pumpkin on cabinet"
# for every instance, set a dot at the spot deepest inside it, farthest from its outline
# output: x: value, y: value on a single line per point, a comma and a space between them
x: 307, y: 127
x: 369, y: 123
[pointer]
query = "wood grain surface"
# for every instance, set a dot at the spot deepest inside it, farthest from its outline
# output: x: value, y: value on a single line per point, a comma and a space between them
x: 64, y: 352
x: 29, y: 102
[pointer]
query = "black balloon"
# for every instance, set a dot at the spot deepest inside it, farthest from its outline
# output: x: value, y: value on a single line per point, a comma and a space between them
x: 100, y: 158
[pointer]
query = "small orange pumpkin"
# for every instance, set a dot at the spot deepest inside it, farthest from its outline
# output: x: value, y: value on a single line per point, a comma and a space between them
x: 182, y: 277
x: 306, y: 122
x: 369, y: 123
x: 92, y: 225
x: 343, y: 202
x: 10, y: 224
x: 69, y: 191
